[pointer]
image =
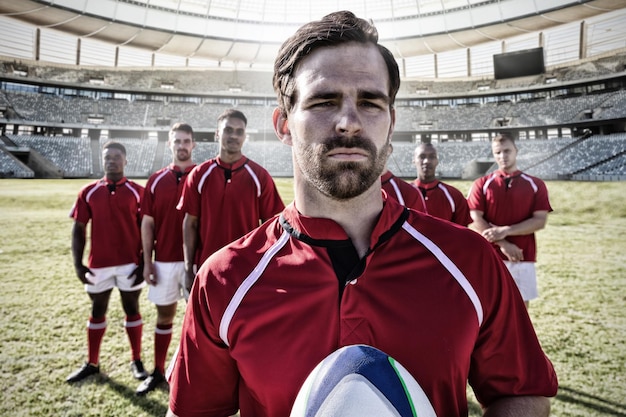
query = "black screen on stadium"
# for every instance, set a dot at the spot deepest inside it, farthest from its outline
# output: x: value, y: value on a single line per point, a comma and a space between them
x: 518, y: 63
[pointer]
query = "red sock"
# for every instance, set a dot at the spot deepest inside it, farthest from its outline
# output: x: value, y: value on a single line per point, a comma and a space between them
x: 162, y: 339
x: 95, y: 333
x: 134, y: 327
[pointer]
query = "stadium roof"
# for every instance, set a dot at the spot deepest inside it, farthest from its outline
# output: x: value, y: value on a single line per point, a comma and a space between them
x: 250, y: 31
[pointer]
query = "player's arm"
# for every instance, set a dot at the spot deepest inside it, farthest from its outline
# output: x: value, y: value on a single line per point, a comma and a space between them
x: 479, y: 224
x: 513, y: 252
x: 147, y: 245
x: 536, y: 222
x: 79, y: 239
x: 190, y: 243
x: 526, y: 406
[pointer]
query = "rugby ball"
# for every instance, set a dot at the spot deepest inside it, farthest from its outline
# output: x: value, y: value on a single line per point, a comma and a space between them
x: 361, y: 381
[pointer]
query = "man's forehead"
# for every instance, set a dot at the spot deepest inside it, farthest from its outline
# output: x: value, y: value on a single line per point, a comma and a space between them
x: 329, y: 69
x: 179, y: 134
x: 232, y: 122
x: 112, y: 151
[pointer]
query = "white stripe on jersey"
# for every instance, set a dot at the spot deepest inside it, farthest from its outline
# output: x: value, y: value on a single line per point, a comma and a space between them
x: 247, y: 284
x: 451, y: 267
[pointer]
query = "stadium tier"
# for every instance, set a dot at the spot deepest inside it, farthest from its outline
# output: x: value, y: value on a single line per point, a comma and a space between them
x: 600, y: 157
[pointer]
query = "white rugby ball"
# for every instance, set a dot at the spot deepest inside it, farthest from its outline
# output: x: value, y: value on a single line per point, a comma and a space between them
x: 361, y: 381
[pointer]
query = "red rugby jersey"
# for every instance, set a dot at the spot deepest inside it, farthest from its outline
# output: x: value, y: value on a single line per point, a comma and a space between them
x: 229, y: 200
x: 444, y: 201
x: 114, y: 212
x: 405, y: 193
x: 509, y: 199
x: 163, y: 191
x: 267, y: 308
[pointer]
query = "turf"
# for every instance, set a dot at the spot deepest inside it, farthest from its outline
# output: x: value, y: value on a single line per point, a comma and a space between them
x: 580, y: 316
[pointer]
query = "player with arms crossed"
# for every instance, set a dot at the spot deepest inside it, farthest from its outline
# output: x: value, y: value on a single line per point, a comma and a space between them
x: 162, y: 237
x: 225, y: 197
x: 507, y: 208
x: 342, y: 265
x: 112, y: 204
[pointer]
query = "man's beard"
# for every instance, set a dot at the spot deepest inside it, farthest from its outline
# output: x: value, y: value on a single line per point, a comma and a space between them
x: 183, y: 155
x: 343, y: 180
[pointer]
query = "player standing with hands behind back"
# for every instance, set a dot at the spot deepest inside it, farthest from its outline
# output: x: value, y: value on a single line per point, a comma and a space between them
x: 112, y: 204
x: 162, y: 236
x: 507, y: 208
x: 342, y: 265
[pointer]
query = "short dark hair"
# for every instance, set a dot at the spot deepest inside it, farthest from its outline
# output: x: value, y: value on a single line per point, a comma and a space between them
x: 503, y: 137
x: 183, y: 127
x: 114, y: 145
x: 227, y: 114
x: 332, y: 30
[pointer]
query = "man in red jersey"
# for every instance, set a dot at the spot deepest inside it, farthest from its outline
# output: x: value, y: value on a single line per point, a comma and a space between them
x: 162, y: 236
x: 112, y: 205
x: 225, y: 197
x: 342, y: 265
x: 442, y: 200
x: 507, y: 208
x: 402, y: 191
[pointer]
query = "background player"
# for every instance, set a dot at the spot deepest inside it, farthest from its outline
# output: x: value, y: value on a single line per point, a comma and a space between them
x: 162, y: 236
x: 225, y: 197
x: 507, y: 208
x: 402, y: 191
x: 442, y: 200
x: 112, y: 205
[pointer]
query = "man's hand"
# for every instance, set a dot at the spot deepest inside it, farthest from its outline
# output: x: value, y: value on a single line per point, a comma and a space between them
x: 81, y: 273
x: 190, y: 276
x: 149, y: 274
x: 511, y: 251
x: 495, y: 233
x: 137, y: 275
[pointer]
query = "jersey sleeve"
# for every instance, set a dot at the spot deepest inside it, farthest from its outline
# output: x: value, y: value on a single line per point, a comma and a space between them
x: 270, y: 202
x: 475, y: 198
x: 542, y: 202
x: 81, y: 212
x: 204, y: 378
x: 461, y: 214
x: 190, y: 196
x: 508, y: 359
x: 147, y: 200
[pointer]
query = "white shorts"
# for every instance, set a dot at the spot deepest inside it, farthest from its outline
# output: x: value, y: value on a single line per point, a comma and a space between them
x: 170, y: 285
x: 105, y: 279
x: 525, y: 277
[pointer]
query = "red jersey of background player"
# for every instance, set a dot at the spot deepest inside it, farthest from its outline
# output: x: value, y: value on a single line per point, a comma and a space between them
x: 167, y: 184
x: 444, y: 201
x: 509, y: 199
x: 229, y: 200
x: 403, y: 192
x: 114, y: 211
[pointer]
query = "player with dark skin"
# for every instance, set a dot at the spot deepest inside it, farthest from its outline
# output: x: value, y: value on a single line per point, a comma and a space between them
x: 441, y: 199
x: 113, y: 162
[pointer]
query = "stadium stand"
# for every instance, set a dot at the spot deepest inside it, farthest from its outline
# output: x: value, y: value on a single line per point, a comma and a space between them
x: 11, y: 167
x: 71, y: 155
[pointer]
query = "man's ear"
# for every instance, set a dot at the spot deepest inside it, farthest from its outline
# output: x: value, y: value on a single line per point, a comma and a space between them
x: 281, y: 126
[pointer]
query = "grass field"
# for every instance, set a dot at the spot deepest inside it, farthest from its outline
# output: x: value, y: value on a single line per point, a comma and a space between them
x: 580, y: 316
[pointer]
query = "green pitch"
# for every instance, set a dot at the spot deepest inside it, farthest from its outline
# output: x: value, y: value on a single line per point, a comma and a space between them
x: 580, y: 316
